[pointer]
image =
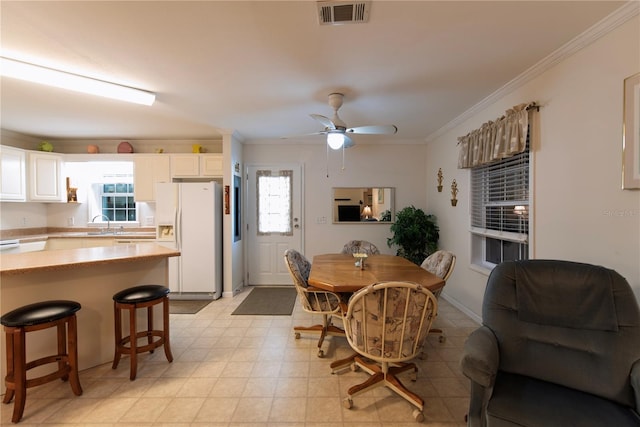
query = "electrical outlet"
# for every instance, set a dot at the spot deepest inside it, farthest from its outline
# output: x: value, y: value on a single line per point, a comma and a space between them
x: 25, y: 221
x: 70, y: 221
x: 149, y: 220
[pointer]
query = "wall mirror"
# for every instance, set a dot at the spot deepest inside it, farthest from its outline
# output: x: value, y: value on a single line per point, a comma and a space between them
x: 371, y: 205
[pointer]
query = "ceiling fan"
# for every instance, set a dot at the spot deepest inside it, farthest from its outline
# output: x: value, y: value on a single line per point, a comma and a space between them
x: 337, y: 131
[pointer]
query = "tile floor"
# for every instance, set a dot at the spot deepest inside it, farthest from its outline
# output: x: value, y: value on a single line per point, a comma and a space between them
x: 250, y: 371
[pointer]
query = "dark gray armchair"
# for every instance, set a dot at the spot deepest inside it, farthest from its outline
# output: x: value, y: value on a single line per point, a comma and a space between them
x: 559, y: 346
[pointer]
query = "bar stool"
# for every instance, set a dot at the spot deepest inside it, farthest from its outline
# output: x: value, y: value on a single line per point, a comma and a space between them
x: 143, y: 296
x: 34, y: 317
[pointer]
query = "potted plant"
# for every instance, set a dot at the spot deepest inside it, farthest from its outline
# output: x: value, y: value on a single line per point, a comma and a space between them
x: 415, y: 233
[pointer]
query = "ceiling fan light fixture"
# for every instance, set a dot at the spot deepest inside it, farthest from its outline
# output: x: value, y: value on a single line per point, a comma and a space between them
x: 335, y: 140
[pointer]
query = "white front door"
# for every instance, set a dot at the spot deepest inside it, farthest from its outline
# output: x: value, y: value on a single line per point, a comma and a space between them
x: 274, y: 221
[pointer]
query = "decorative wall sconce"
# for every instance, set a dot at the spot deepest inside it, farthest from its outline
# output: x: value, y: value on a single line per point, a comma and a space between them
x: 454, y: 193
x: 439, y: 180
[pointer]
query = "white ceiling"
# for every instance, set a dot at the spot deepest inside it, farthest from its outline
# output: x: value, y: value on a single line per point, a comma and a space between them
x: 261, y: 67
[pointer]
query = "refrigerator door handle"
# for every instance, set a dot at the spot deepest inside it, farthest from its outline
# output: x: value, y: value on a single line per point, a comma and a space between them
x: 179, y: 229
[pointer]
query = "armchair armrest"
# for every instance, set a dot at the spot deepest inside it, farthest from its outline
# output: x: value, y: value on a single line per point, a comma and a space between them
x: 480, y: 357
x: 634, y: 377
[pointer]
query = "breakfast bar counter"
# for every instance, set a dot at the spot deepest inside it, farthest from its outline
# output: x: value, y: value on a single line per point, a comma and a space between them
x: 11, y: 264
x: 90, y: 276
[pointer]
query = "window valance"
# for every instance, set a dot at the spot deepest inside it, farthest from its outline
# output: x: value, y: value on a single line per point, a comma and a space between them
x: 496, y: 140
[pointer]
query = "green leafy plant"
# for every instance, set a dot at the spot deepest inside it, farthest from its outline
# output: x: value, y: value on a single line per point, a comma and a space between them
x: 415, y: 233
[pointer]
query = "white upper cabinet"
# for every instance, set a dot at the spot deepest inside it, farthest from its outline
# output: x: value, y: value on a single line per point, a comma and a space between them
x: 45, y: 177
x: 13, y: 174
x: 185, y: 165
x: 211, y: 165
x: 147, y: 172
x: 196, y: 165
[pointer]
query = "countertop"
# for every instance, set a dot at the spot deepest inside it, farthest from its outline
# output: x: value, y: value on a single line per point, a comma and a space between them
x: 38, y: 235
x: 71, y: 258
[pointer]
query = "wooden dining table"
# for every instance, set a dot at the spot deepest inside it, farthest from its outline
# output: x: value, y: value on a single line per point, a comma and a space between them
x: 338, y: 272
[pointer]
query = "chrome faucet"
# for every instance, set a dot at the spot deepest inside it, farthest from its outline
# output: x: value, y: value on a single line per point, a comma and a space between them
x: 108, y: 223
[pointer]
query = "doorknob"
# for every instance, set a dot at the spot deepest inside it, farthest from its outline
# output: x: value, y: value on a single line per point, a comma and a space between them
x: 296, y: 226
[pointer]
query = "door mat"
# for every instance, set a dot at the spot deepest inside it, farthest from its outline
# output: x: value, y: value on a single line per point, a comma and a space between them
x: 268, y: 301
x: 187, y: 306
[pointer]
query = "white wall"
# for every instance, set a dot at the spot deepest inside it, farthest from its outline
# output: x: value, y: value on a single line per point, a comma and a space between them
x: 232, y: 251
x: 580, y: 212
x: 366, y: 165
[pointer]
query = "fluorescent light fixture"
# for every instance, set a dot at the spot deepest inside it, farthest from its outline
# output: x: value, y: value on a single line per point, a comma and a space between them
x: 50, y: 77
x: 335, y: 140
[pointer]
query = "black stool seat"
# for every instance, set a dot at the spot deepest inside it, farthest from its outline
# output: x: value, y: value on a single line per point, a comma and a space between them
x: 40, y: 312
x: 142, y: 293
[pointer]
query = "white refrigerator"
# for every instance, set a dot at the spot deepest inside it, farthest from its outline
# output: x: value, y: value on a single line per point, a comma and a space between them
x: 189, y: 219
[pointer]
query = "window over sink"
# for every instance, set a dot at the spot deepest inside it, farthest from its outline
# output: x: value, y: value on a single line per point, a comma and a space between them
x: 107, y: 189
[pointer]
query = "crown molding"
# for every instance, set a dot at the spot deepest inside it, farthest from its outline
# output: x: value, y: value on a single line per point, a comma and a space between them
x: 618, y: 17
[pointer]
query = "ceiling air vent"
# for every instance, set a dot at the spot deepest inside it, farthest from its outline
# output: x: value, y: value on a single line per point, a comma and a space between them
x: 343, y: 12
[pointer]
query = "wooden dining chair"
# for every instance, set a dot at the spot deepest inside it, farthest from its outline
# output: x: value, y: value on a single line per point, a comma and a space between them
x: 314, y: 301
x: 387, y: 324
x: 440, y: 263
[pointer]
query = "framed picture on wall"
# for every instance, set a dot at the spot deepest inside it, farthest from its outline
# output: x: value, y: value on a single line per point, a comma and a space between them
x: 631, y: 133
x: 380, y: 196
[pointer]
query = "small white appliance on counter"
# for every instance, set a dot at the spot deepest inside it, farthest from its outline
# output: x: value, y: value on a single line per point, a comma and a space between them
x: 189, y: 219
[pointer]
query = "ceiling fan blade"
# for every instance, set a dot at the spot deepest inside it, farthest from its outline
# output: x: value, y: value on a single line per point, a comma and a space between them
x: 304, y: 135
x: 374, y: 130
x: 325, y: 121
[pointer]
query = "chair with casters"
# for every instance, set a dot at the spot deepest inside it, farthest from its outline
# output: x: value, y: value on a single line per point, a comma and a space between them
x: 314, y: 301
x: 440, y: 263
x: 559, y: 345
x: 387, y: 324
x: 360, y: 246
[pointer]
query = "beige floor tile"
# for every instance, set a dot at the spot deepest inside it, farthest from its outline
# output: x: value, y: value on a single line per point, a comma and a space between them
x: 197, y: 387
x: 228, y: 387
x: 288, y: 410
x: 109, y: 410
x: 165, y: 387
x: 146, y: 409
x: 259, y: 387
x: 324, y: 409
x: 182, y: 409
x: 252, y: 409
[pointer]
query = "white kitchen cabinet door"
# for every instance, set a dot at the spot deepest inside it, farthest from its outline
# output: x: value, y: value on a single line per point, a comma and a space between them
x: 45, y: 178
x: 147, y: 172
x: 185, y: 165
x: 211, y: 165
x: 13, y: 174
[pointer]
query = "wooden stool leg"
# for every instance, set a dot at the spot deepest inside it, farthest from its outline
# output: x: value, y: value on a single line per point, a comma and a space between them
x: 150, y: 326
x: 9, y: 392
x: 165, y: 329
x: 62, y: 348
x: 19, y: 374
x: 72, y: 350
x: 117, y: 334
x: 133, y: 342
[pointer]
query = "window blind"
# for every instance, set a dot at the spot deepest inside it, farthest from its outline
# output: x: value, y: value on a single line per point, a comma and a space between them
x: 500, y: 198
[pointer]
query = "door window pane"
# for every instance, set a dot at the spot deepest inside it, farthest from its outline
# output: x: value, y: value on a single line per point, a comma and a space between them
x: 274, y: 202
